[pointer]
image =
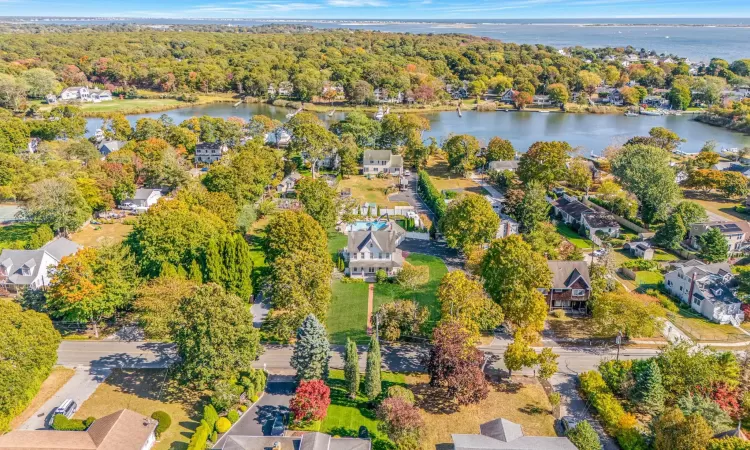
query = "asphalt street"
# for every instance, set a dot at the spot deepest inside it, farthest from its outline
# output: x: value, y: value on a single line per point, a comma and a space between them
x: 116, y: 354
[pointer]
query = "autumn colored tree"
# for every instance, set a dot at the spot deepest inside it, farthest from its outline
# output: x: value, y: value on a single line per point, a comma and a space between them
x: 499, y: 149
x: 469, y: 221
x: 454, y: 363
x: 463, y: 299
x: 402, y: 422
x: 521, y: 99
x: 519, y: 354
x: 310, y: 401
x: 544, y: 162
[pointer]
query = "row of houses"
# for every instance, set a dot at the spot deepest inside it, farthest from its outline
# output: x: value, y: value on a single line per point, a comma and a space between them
x: 82, y: 94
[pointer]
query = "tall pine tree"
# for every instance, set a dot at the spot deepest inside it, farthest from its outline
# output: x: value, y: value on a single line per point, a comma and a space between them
x: 351, y: 368
x: 649, y: 390
x: 242, y: 283
x: 195, y: 273
x: 373, y: 384
x: 312, y: 351
x: 213, y: 265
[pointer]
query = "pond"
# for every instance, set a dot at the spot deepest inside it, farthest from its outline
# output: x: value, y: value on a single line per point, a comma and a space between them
x: 589, y: 132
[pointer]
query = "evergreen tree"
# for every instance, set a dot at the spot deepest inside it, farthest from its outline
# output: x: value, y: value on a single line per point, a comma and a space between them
x: 168, y: 270
x: 213, y: 266
x: 311, y: 352
x: 584, y: 437
x: 373, y: 384
x: 672, y: 233
x: 351, y: 368
x: 229, y: 258
x: 195, y: 273
x: 242, y: 283
x: 713, y: 246
x: 649, y: 390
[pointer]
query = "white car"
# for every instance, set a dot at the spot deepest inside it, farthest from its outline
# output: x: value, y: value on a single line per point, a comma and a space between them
x: 407, y: 173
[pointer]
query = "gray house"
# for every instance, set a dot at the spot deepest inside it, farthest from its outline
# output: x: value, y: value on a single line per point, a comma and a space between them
x: 143, y: 199
x: 21, y: 269
x: 372, y: 246
x: 308, y: 441
x: 502, y: 434
x: 500, y: 166
x: 107, y: 147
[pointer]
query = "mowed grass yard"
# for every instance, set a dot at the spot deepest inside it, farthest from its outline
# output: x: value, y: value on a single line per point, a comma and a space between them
x: 701, y: 329
x: 443, y: 179
x: 371, y: 191
x: 98, y: 235
x: 56, y: 379
x: 347, y: 315
x: 573, y: 236
x: 16, y: 235
x: 141, y: 391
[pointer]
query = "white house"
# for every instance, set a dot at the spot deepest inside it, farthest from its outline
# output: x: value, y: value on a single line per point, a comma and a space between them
x: 640, y: 249
x: 708, y: 289
x: 209, y: 152
x: 21, y: 269
x: 288, y: 183
x: 372, y: 246
x: 600, y: 223
x: 107, y: 147
x: 143, y: 199
x: 507, y: 227
x: 736, y: 233
x: 501, y: 166
x: 75, y: 93
x: 100, y: 95
x: 382, y: 161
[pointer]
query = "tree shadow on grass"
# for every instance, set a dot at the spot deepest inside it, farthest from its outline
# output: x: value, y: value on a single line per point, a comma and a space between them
x: 508, y: 387
x: 434, y: 400
x: 533, y: 410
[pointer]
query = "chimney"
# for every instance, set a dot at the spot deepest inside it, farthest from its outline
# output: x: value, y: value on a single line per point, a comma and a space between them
x: 692, y: 288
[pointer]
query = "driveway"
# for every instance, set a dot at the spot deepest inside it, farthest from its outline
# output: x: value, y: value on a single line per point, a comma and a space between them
x: 81, y: 385
x: 257, y: 421
x: 453, y: 260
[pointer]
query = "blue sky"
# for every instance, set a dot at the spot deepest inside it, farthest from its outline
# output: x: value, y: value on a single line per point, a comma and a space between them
x: 378, y: 9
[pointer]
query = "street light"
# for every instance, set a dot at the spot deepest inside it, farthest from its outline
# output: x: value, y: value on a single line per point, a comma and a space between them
x: 618, y: 341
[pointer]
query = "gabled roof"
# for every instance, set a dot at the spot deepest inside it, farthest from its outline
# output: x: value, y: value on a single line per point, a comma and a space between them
x: 502, y: 434
x: 14, y: 260
x: 566, y: 273
x: 60, y: 247
x: 108, y: 147
x: 601, y: 220
x: 502, y: 430
x: 503, y: 165
x: 385, y: 240
x: 572, y: 208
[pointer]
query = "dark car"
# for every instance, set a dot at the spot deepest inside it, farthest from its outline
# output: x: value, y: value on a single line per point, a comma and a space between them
x: 278, y: 427
x: 568, y: 423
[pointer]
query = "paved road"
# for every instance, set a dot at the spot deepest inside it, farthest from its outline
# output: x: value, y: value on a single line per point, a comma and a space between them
x: 257, y: 421
x: 81, y: 385
x: 115, y: 354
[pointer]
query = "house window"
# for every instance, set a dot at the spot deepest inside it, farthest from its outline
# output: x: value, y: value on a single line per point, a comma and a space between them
x: 371, y: 269
x: 579, y: 292
x: 354, y: 256
x: 680, y: 288
x: 669, y: 282
x: 362, y: 255
x: 557, y: 291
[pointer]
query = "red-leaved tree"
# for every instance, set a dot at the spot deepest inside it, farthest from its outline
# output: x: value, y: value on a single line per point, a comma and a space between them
x: 455, y: 363
x: 401, y: 422
x: 310, y: 401
x: 727, y: 398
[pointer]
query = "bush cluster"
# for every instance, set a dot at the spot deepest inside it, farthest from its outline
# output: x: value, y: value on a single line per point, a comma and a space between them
x: 641, y: 264
x: 164, y: 422
x: 431, y: 194
x: 62, y: 423
x: 223, y: 425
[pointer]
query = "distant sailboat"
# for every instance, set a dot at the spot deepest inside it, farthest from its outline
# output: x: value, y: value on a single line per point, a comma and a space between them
x: 458, y: 110
x: 333, y: 111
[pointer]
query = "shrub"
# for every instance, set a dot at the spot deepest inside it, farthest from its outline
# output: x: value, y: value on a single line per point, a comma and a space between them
x: 89, y: 420
x: 62, y: 423
x: 164, y: 422
x: 554, y: 398
x: 210, y: 416
x: 243, y: 408
x: 41, y: 236
x: 233, y: 416
x: 349, y: 280
x: 214, y: 436
x: 223, y: 425
x: 225, y: 396
x: 199, y: 439
x: 402, y: 393
x: 381, y: 276
x: 641, y: 264
x: 431, y: 194
x: 254, y: 398
x: 559, y: 313
x: 402, y: 423
x: 584, y: 437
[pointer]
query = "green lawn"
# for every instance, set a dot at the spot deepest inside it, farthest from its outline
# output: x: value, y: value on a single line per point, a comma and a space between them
x: 574, y: 238
x: 16, y: 235
x: 701, y: 329
x: 426, y: 296
x: 346, y: 415
x: 646, y: 279
x: 336, y: 241
x: 347, y: 315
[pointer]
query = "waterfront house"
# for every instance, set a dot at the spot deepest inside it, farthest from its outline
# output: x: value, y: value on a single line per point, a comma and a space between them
x: 382, y: 161
x: 736, y: 233
x: 100, y: 95
x: 571, y: 285
x: 640, y: 249
x: 372, y: 246
x: 75, y: 93
x: 542, y: 100
x: 20, y: 269
x: 501, y: 166
x: 271, y: 91
x: 286, y: 88
x: 507, y: 96
x: 209, y: 152
x: 708, y: 289
x: 107, y: 147
x: 122, y: 430
x: 502, y: 434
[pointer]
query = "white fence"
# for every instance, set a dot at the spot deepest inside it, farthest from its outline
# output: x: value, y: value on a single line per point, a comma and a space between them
x: 420, y: 236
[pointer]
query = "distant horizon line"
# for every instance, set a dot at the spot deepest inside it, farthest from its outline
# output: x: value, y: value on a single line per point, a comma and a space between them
x: 377, y: 19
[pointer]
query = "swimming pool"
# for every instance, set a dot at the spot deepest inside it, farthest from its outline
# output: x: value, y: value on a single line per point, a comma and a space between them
x: 362, y: 225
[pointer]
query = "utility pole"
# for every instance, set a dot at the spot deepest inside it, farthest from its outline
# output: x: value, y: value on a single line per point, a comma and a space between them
x: 618, y: 341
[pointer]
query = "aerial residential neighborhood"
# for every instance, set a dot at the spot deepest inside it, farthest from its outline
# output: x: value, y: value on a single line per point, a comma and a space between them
x: 431, y: 233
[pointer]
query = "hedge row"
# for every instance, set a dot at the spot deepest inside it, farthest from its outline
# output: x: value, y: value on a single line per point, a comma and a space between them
x: 163, y: 422
x: 616, y: 421
x: 430, y: 194
x: 62, y: 423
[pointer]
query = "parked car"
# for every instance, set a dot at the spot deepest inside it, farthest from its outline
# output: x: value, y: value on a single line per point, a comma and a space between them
x: 67, y: 409
x: 568, y: 423
x: 278, y: 427
x: 599, y: 253
x: 407, y: 173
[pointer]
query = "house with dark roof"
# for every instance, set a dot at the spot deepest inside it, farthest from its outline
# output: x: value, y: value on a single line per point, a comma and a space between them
x: 570, y: 210
x: 502, y: 434
x: 640, y: 249
x: 20, y: 269
x: 122, y: 430
x: 571, y: 285
x: 373, y: 246
x: 382, y: 161
x: 308, y: 441
x: 709, y: 289
x: 210, y: 152
x: 599, y: 224
x: 737, y: 233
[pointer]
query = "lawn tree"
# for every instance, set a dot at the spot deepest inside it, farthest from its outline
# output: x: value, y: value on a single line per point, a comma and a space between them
x: 533, y: 208
x: 402, y: 422
x: 627, y: 312
x: 312, y: 352
x: 579, y: 174
x: 584, y: 437
x: 310, y: 402
x: 588, y: 81
x: 545, y: 239
x: 319, y: 201
x: 401, y: 318
x: 349, y: 154
x: 469, y: 221
x: 519, y: 354
x: 463, y: 299
x: 706, y: 158
x: 412, y: 277
x: 456, y: 364
x: 214, y: 335
x: 56, y: 202
x: 547, y: 361
x: 157, y: 301
x: 29, y: 351
x: 672, y: 430
x: 373, y: 384
x: 713, y: 246
x: 92, y: 285
x: 351, y: 368
x: 644, y: 170
x: 362, y: 128
x: 314, y: 141
x: 671, y: 234
x: 558, y: 93
x: 648, y: 392
x: 516, y: 290
x: 521, y: 99
x: 244, y: 172
x: 665, y: 138
x: 690, y: 212
x: 734, y: 184
x: 463, y: 153
x: 499, y: 149
x: 544, y: 162
x: 291, y: 230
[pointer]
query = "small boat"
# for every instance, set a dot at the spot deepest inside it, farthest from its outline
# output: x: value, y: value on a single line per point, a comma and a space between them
x: 333, y: 111
x: 458, y: 110
x: 238, y: 103
x: 650, y: 113
x: 290, y: 115
x: 631, y: 114
x: 543, y: 111
x: 380, y: 114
